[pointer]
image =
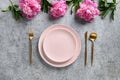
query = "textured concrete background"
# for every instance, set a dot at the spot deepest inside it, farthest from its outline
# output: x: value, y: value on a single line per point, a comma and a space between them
x: 14, y: 49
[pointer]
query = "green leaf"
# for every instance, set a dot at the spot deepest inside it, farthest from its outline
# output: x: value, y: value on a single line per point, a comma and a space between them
x: 112, y: 15
x: 16, y: 12
x: 79, y: 1
x: 101, y: 3
x: 75, y: 6
x: 45, y: 9
x: 47, y: 3
x: 72, y: 9
x: 102, y: 8
x: 69, y: 2
x: 45, y: 6
x: 14, y: 15
x: 106, y: 5
x: 16, y: 5
x: 114, y: 1
x: 104, y: 13
x: 10, y: 7
x: 5, y: 10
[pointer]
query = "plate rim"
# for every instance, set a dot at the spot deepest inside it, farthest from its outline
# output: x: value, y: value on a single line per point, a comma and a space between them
x: 60, y: 64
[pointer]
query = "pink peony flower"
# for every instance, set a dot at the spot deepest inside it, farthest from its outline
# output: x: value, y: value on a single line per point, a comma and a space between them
x: 30, y: 8
x: 88, y: 10
x: 58, y: 9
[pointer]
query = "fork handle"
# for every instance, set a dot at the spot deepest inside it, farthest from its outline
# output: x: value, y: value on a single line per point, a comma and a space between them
x: 92, y: 53
x: 30, y: 51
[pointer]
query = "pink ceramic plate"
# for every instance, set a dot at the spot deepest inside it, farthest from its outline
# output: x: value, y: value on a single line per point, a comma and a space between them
x: 59, y: 44
x: 46, y: 58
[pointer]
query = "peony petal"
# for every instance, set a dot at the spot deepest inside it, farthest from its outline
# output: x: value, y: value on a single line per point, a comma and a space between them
x: 87, y: 10
x: 29, y: 8
x: 58, y: 9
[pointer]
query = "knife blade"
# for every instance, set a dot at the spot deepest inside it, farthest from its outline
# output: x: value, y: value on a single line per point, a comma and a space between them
x: 85, y: 56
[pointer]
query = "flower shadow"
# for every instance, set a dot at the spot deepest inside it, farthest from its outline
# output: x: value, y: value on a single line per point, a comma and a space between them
x: 23, y: 21
x: 80, y: 20
x: 51, y: 19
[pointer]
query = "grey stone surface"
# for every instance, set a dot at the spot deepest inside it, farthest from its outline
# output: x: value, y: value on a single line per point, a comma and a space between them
x: 14, y: 49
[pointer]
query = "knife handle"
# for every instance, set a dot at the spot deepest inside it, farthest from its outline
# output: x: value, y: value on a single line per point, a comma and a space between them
x: 85, y: 58
x: 85, y: 55
x: 92, y: 53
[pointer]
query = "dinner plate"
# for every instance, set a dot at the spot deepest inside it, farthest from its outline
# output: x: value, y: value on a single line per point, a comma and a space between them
x: 63, y: 28
x: 59, y: 44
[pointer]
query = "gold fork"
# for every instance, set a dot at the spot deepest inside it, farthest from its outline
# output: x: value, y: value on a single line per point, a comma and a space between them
x: 31, y: 35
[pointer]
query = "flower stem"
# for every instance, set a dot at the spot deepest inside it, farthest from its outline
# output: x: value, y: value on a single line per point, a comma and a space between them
x: 118, y: 2
x: 11, y: 2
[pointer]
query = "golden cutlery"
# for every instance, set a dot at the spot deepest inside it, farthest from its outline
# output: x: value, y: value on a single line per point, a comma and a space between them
x: 31, y: 35
x: 85, y: 56
x: 92, y: 37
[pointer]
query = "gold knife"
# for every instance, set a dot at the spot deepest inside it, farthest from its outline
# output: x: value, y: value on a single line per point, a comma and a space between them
x: 85, y: 56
